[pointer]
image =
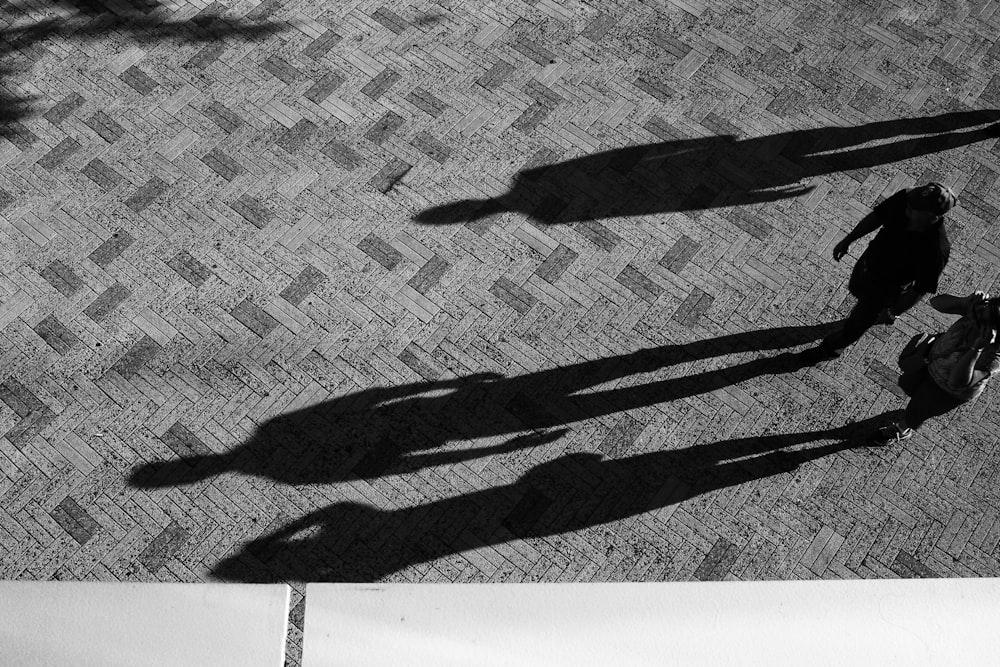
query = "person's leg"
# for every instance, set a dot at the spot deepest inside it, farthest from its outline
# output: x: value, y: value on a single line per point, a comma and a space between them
x: 907, y: 299
x: 863, y: 316
x: 909, y: 382
x: 928, y: 401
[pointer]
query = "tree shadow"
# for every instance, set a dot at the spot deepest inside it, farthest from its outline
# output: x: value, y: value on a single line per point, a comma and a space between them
x: 394, y: 430
x: 133, y: 8
x: 356, y: 542
x: 141, y: 21
x: 685, y: 174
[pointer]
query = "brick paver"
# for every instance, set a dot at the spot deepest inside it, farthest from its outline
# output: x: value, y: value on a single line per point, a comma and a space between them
x: 478, y: 291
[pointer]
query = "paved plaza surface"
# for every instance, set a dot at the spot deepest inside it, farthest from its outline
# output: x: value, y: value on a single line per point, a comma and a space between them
x: 479, y: 291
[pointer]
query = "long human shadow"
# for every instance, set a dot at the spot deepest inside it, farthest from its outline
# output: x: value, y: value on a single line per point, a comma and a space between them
x: 685, y: 174
x: 393, y: 430
x: 356, y: 542
x: 141, y: 21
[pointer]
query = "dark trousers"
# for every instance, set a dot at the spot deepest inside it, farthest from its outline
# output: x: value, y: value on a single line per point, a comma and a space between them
x: 927, y: 399
x: 873, y: 298
x: 862, y: 318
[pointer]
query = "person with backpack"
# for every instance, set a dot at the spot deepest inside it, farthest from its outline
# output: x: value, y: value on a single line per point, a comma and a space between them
x: 902, y: 263
x: 942, y: 372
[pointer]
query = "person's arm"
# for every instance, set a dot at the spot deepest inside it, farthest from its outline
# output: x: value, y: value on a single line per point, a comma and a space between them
x: 956, y: 305
x: 965, y: 373
x: 989, y: 364
x: 866, y: 226
x: 885, y: 210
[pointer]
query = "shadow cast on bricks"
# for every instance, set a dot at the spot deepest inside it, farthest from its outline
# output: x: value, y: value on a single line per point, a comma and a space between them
x: 142, y: 22
x: 393, y: 430
x: 692, y: 174
x: 354, y: 542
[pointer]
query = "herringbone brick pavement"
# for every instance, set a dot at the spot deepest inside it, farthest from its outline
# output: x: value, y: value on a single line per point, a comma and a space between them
x: 481, y: 291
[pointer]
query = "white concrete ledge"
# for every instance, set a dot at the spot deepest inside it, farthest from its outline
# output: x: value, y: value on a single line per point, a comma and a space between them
x: 44, y: 624
x: 898, y: 622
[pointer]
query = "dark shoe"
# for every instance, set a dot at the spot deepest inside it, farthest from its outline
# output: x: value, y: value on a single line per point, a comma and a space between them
x: 815, y: 355
x: 890, y: 435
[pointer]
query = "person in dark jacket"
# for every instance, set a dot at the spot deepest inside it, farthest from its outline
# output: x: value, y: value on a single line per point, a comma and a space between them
x: 901, y: 264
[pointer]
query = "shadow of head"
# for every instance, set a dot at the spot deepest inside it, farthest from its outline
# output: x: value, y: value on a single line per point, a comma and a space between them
x: 277, y: 556
x: 466, y: 210
x: 177, y: 472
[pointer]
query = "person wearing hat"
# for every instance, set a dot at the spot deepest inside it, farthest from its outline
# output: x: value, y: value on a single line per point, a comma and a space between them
x: 957, y: 365
x: 901, y: 264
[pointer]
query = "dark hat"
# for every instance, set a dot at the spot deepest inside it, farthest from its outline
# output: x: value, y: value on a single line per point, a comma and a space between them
x: 933, y: 197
